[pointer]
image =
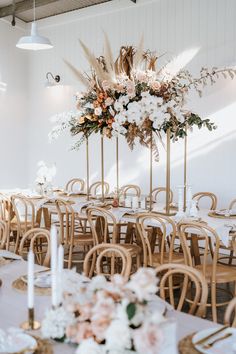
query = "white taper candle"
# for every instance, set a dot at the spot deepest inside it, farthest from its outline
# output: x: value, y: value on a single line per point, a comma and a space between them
x: 60, y: 266
x: 30, y: 280
x: 53, y: 238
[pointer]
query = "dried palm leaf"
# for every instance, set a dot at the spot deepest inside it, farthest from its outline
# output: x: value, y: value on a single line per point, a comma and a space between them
x: 101, y: 74
x: 108, y: 56
x: 172, y: 68
x: 138, y: 57
x: 78, y: 74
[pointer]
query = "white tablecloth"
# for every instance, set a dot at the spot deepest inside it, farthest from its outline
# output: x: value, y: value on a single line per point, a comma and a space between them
x: 13, y: 308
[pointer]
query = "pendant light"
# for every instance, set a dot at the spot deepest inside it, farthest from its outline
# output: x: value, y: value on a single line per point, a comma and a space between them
x: 34, y: 41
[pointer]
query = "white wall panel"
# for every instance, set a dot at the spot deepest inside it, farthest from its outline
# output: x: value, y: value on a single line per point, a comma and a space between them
x: 169, y: 26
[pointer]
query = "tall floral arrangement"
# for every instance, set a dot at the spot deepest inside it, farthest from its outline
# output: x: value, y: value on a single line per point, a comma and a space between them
x: 133, y: 97
x: 110, y: 317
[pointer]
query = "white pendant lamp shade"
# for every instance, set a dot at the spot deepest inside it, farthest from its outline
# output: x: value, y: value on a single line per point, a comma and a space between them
x: 34, y: 41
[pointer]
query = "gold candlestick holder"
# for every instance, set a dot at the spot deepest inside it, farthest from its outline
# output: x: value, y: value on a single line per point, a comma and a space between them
x: 31, y: 324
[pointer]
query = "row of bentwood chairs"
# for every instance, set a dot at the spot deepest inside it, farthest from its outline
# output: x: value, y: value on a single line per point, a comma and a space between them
x: 153, y: 242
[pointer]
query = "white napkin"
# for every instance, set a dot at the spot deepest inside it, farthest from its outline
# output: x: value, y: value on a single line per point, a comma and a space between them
x: 10, y: 255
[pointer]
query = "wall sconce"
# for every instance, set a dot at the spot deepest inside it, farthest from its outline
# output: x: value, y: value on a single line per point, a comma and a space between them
x: 52, y: 80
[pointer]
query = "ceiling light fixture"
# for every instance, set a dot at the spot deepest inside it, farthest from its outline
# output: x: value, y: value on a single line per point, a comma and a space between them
x: 56, y: 79
x: 34, y: 41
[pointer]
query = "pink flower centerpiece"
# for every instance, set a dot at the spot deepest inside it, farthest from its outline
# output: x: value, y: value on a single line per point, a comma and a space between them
x: 109, y: 317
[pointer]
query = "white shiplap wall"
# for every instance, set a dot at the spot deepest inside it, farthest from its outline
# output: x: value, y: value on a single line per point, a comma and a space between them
x: 13, y: 109
x: 169, y: 26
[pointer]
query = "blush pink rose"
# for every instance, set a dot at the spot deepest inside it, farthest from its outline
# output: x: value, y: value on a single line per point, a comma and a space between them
x: 130, y: 89
x: 148, y: 339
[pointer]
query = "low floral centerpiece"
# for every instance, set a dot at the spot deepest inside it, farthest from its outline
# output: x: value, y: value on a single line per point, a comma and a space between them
x: 44, y: 179
x: 110, y: 317
x: 131, y: 96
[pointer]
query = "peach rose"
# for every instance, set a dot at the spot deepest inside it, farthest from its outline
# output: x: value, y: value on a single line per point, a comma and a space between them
x: 109, y: 101
x: 155, y: 85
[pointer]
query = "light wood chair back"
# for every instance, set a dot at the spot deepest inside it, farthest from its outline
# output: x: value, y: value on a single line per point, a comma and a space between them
x: 75, y: 185
x: 156, y: 192
x: 5, y: 208
x: 96, y: 188
x: 24, y: 210
x: 4, y: 234
x: 230, y: 314
x: 66, y: 217
x: 207, y: 237
x: 103, y: 225
x: 25, y: 213
x: 206, y: 195
x: 132, y: 189
x: 232, y: 204
x: 145, y: 224
x: 6, y: 214
x: 190, y: 282
x: 38, y: 240
x: 107, y: 259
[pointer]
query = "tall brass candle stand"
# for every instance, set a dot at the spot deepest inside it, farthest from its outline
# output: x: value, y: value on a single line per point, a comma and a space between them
x: 102, y: 167
x: 168, y: 212
x: 31, y: 324
x: 87, y: 165
x: 185, y: 167
x: 150, y: 191
x: 117, y: 164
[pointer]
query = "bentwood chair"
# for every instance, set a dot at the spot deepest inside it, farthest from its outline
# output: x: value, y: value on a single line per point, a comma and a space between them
x: 96, y: 188
x: 132, y: 189
x: 230, y: 313
x: 157, y: 192
x: 6, y: 214
x: 71, y: 235
x: 105, y: 229
x: 190, y: 283
x: 4, y: 234
x: 107, y: 259
x: 216, y: 274
x: 206, y: 195
x: 75, y: 185
x: 38, y: 240
x: 25, y: 213
x: 155, y: 230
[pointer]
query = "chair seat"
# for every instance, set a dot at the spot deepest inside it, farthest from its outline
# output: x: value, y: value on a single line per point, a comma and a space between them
x: 14, y: 225
x: 176, y: 258
x: 132, y: 248
x: 83, y: 240
x: 224, y: 273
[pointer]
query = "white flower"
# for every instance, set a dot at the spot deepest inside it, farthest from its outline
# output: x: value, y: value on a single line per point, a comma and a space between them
x: 98, y: 111
x: 55, y: 322
x: 124, y: 100
x: 120, y: 118
x: 145, y: 94
x: 118, y: 336
x: 143, y: 283
x: 98, y: 282
x: 118, y: 106
x: 89, y: 346
x: 159, y: 101
x: 167, y: 116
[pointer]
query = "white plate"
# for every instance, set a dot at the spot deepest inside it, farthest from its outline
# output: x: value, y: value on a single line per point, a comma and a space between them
x: 225, y: 211
x: 20, y: 342
x: 41, y: 279
x: 224, y: 346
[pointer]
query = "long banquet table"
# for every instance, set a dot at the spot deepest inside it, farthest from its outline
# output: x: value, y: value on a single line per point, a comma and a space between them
x: 13, y: 307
